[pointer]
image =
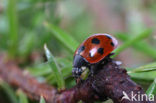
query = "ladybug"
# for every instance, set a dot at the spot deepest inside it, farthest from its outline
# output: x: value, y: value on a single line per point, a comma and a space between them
x: 92, y: 52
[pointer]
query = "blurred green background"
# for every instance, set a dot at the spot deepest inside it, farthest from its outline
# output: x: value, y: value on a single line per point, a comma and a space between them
x: 26, y: 25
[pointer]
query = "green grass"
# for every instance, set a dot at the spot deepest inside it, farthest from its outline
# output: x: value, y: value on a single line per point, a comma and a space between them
x: 145, y: 68
x: 22, y: 97
x: 146, y: 72
x: 42, y: 100
x: 9, y: 91
x: 140, y: 46
x: 55, y: 68
x: 65, y: 39
x: 132, y: 41
x: 13, y: 27
x: 152, y: 89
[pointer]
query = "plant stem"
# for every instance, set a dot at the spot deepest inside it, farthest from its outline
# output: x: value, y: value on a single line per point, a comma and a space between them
x: 13, y: 27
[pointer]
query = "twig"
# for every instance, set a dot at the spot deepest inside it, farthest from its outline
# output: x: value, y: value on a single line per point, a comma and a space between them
x: 110, y: 81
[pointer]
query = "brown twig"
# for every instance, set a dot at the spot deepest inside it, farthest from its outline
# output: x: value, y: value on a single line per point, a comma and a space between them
x: 110, y: 81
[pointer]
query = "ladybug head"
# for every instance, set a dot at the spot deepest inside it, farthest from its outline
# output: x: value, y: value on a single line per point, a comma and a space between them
x: 79, y: 65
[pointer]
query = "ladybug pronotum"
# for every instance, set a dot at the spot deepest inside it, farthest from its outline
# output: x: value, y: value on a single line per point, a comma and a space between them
x: 92, y: 52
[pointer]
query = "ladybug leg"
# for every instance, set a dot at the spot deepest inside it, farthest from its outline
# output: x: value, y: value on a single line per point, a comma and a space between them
x: 92, y: 72
x: 106, y: 59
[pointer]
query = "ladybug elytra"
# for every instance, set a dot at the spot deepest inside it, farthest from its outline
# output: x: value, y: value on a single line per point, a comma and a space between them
x: 91, y: 52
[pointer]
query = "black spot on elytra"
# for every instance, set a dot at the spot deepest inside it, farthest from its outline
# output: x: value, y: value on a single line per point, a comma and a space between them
x: 100, y: 50
x: 112, y: 44
x: 82, y: 48
x: 109, y: 37
x: 95, y: 41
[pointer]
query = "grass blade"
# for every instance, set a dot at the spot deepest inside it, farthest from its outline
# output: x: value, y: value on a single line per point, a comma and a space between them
x: 146, y: 72
x: 145, y: 76
x: 145, y: 68
x: 66, y: 72
x: 26, y: 44
x: 140, y: 46
x: 22, y: 97
x: 66, y: 40
x: 152, y: 89
x: 39, y: 70
x: 55, y: 68
x: 8, y: 90
x: 13, y: 27
x: 42, y: 100
x: 132, y: 41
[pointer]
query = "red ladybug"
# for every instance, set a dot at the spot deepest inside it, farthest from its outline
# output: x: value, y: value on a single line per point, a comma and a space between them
x: 91, y: 52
